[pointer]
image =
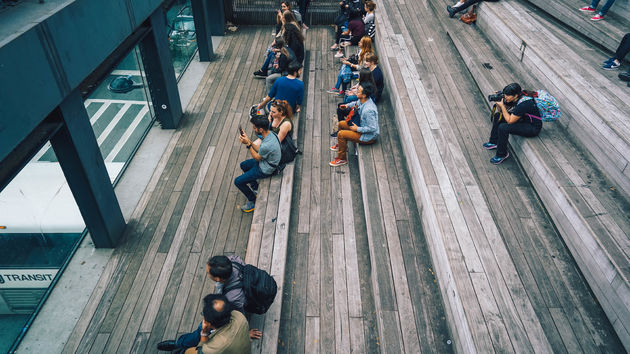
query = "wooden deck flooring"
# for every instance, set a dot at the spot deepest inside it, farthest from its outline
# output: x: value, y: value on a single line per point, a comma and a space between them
x: 152, y: 286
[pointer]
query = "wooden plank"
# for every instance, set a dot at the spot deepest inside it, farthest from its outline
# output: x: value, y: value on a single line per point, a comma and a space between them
x: 312, y: 335
x: 99, y: 343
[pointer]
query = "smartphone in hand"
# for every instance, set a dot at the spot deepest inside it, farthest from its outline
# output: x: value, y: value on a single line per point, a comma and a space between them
x: 240, y: 130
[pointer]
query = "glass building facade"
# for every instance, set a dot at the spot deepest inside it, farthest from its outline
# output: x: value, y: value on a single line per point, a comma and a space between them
x: 40, y: 222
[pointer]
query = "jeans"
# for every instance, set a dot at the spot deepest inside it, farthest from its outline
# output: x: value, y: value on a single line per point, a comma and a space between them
x: 251, y: 175
x: 349, y: 99
x: 624, y: 47
x: 189, y: 340
x: 344, y: 85
x: 604, y: 9
x: 270, y: 55
x: 501, y: 132
x: 303, y: 5
x: 270, y: 79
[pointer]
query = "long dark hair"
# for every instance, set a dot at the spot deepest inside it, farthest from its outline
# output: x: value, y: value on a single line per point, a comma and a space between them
x: 292, y: 33
x: 365, y: 75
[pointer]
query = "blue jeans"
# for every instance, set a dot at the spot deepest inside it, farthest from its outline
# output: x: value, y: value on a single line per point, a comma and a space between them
x: 270, y: 55
x: 349, y: 99
x: 189, y: 340
x: 251, y: 175
x: 604, y: 9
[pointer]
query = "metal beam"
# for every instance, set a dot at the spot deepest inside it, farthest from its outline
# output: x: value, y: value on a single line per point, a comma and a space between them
x: 158, y: 67
x: 82, y: 164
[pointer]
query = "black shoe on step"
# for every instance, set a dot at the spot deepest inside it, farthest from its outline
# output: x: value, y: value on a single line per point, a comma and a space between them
x: 167, y: 346
x: 624, y: 76
x: 259, y: 73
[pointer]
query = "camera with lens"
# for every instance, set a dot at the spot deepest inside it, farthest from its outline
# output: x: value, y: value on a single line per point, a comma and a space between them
x: 496, y: 97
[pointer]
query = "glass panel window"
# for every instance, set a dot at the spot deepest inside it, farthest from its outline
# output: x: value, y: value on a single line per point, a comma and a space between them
x: 182, y: 38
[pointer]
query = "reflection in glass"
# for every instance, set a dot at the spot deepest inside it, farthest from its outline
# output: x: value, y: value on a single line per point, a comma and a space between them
x: 181, y: 36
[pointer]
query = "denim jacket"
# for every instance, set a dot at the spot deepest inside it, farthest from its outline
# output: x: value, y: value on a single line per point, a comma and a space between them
x: 369, y: 119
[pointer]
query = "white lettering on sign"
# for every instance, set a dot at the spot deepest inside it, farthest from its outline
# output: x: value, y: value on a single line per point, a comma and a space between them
x: 26, y: 278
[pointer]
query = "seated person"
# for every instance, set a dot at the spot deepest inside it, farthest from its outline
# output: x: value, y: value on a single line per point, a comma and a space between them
x: 517, y: 115
x: 352, y: 35
x: 345, y: 76
x: 349, y: 10
x: 288, y: 25
x: 287, y: 88
x: 280, y: 64
x: 221, y: 270
x: 368, y: 19
x: 223, y: 329
x: 365, y: 75
x: 461, y: 5
x: 371, y: 61
x: 615, y: 62
x: 280, y: 120
x: 264, y: 161
x: 286, y: 6
x: 294, y: 39
x: 366, y: 132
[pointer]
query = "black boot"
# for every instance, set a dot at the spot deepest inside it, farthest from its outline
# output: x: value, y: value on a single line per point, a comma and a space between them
x: 167, y: 345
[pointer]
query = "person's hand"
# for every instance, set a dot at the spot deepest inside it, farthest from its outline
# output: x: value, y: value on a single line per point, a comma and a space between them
x: 297, y: 110
x: 244, y: 139
x: 346, y: 62
x: 255, y: 333
x: 501, y: 104
x: 354, y: 127
x: 260, y: 105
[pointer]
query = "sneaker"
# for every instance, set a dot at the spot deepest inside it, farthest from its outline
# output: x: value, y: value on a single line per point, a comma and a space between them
x: 608, y: 60
x: 611, y: 65
x: 333, y: 90
x: 451, y: 11
x: 339, y: 55
x: 248, y: 207
x: 334, y: 135
x: 345, y: 43
x: 489, y: 146
x: 305, y: 27
x: 587, y: 9
x: 498, y: 159
x: 260, y: 73
x: 338, y: 162
x: 335, y: 147
x: 334, y: 47
x: 597, y: 17
x: 341, y: 93
x: 624, y: 76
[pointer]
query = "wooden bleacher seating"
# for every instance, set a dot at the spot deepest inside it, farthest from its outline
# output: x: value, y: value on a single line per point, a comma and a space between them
x: 591, y: 219
x: 596, y: 104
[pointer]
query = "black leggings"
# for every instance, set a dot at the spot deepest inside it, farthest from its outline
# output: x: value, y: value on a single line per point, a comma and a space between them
x: 624, y: 47
x: 501, y: 132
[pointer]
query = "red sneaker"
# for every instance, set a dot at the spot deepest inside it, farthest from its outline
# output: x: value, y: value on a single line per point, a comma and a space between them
x: 587, y: 9
x: 335, y: 147
x: 338, y: 162
x: 597, y: 17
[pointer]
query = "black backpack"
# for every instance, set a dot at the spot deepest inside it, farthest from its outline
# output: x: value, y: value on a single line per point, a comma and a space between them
x: 259, y: 287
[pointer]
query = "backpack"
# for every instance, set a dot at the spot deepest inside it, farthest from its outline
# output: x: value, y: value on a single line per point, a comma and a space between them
x: 547, y: 106
x: 288, y: 151
x: 259, y: 287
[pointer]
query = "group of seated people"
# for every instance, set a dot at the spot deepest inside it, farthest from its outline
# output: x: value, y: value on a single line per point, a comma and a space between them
x: 354, y: 21
x: 357, y: 115
x: 282, y: 69
x: 224, y: 326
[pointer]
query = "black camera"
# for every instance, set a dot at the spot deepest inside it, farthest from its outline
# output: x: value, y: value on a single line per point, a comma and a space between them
x: 496, y: 97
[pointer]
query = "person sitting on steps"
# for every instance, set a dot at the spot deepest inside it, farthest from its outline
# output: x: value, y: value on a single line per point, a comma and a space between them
x: 265, y: 159
x: 280, y: 120
x: 517, y: 116
x: 364, y: 133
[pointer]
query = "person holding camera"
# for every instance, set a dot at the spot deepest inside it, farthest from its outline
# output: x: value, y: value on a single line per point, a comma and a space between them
x: 514, y: 115
x: 264, y: 161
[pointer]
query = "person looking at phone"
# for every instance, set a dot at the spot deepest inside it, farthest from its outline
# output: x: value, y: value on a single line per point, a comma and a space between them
x: 365, y: 133
x: 264, y: 161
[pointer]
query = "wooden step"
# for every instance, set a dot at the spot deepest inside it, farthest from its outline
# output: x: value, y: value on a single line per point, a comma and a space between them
x: 592, y: 220
x: 596, y: 106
